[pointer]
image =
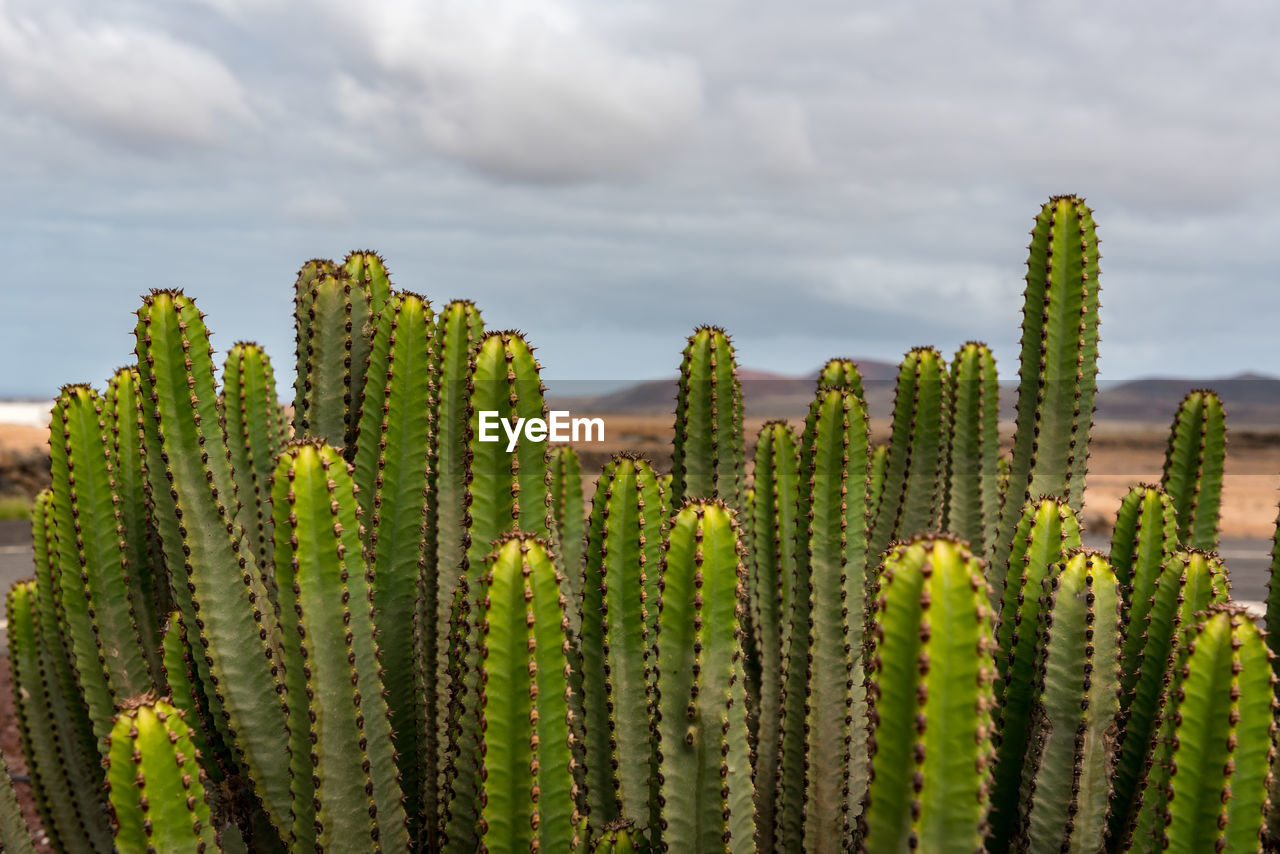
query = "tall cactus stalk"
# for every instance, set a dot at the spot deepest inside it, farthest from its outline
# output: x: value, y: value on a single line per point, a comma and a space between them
x: 1047, y: 532
x: 569, y: 517
x: 344, y: 783
x: 1193, y: 467
x: 911, y: 498
x: 841, y: 373
x: 773, y: 575
x: 216, y: 581
x: 875, y: 482
x: 823, y: 706
x: 156, y: 786
x: 1207, y: 780
x: 1190, y: 582
x: 619, y: 620
x: 708, y: 455
x: 1067, y: 778
x: 528, y: 795
x: 972, y: 491
x: 1059, y: 363
x: 190, y: 697
x: 392, y: 467
x: 1144, y: 538
x: 931, y: 692
x: 704, y: 766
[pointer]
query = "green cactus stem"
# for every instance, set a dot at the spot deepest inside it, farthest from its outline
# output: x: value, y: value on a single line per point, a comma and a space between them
x: 619, y: 615
x: 1144, y: 538
x: 392, y: 467
x: 841, y: 373
x: 972, y: 489
x: 708, y: 455
x: 339, y: 731
x: 1193, y: 467
x: 569, y: 518
x: 1059, y: 363
x: 526, y: 758
x: 932, y: 698
x: 368, y: 270
x: 155, y: 783
x: 1190, y: 582
x: 704, y: 765
x: 823, y: 762
x: 217, y: 584
x: 875, y: 481
x: 64, y: 779
x: 1067, y: 777
x: 98, y: 594
x: 15, y: 838
x: 333, y: 353
x: 1047, y: 532
x: 1207, y: 781
x: 911, y: 497
x: 773, y: 574
x: 619, y: 837
x: 191, y: 698
x: 255, y: 431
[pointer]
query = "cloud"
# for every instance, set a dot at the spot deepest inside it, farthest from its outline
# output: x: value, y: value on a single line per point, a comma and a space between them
x: 135, y: 87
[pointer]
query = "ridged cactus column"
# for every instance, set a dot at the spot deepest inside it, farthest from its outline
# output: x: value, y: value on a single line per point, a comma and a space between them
x: 1059, y: 363
x: 1067, y: 776
x: 911, y: 497
x: 1193, y: 467
x: 619, y: 622
x: 823, y: 763
x: 841, y: 373
x: 931, y: 690
x: 1207, y: 783
x: 526, y: 756
x: 344, y: 786
x: 704, y: 765
x: 972, y: 491
x: 569, y: 516
x: 708, y: 457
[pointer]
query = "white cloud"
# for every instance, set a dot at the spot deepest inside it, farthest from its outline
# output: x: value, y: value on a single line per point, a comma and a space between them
x: 137, y: 87
x: 776, y: 130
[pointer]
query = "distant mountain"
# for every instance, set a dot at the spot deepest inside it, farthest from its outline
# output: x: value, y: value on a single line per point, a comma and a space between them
x: 1252, y: 401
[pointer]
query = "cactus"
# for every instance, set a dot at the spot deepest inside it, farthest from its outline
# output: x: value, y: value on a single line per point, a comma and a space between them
x: 773, y: 568
x: 569, y: 518
x: 1190, y: 581
x: 14, y: 836
x: 1067, y: 777
x: 367, y: 269
x: 1193, y: 467
x: 215, y: 578
x: 619, y: 837
x: 931, y: 697
x: 157, y: 794
x: 704, y: 766
x: 344, y: 785
x: 190, y: 697
x: 1059, y: 364
x: 1144, y: 538
x: 972, y: 490
x: 911, y: 497
x: 527, y: 800
x: 842, y: 373
x: 619, y: 608
x: 823, y: 758
x: 708, y: 457
x: 875, y: 481
x: 1047, y: 532
x: 1207, y: 780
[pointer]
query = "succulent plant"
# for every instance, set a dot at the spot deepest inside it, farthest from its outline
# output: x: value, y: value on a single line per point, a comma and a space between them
x: 1193, y: 467
x: 972, y: 491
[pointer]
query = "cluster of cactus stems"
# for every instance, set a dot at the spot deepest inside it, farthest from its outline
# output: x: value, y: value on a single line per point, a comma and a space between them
x: 357, y: 626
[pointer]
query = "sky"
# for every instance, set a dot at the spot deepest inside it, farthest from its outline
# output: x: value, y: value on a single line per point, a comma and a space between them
x: 821, y: 178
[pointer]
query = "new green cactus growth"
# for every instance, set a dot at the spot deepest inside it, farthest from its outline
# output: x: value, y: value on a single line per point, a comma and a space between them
x: 1207, y: 780
x: 931, y: 695
x: 1193, y: 467
x: 1059, y: 363
x: 569, y: 517
x: 619, y: 616
x: 841, y: 373
x: 1067, y: 776
x: 704, y: 766
x: 911, y: 497
x: 1144, y: 538
x: 823, y: 758
x: 156, y: 786
x: 708, y: 457
x: 344, y: 784
x: 368, y: 270
x: 972, y: 490
x: 527, y: 800
x: 875, y: 481
x: 620, y: 837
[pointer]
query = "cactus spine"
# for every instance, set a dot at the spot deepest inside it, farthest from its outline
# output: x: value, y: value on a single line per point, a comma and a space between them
x: 340, y: 737
x: 1193, y: 467
x: 773, y: 574
x: 1067, y: 778
x: 157, y: 794
x: 704, y: 771
x: 931, y: 697
x: 1059, y: 364
x: 525, y: 743
x: 823, y: 758
x: 972, y: 490
x: 619, y: 616
x: 911, y: 497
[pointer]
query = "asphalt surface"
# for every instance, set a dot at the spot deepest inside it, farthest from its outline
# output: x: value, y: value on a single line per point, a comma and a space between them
x: 1248, y: 562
